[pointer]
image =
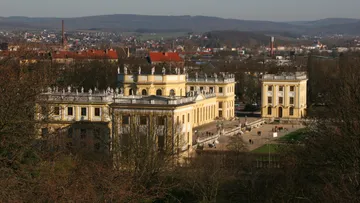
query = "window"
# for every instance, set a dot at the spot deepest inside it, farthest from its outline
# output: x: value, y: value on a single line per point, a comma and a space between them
x: 126, y: 120
x: 281, y: 88
x: 211, y: 89
x: 292, y: 88
x: 161, y: 120
x: 269, y: 111
x: 172, y: 92
x: 97, y: 111
x: 183, y: 119
x: 269, y: 100
x: 220, y: 105
x: 159, y: 92
x: 70, y: 111
x: 192, y: 88
x: 56, y: 110
x: 143, y: 92
x: 269, y: 88
x: 280, y: 100
x: 291, y: 111
x: 44, y: 110
x: 44, y: 132
x: 220, y: 114
x: 188, y: 117
x: 82, y: 133
x: 83, y: 111
x: 220, y: 90
x: 70, y: 133
x: 143, y: 120
x: 291, y: 100
x: 131, y: 92
x: 201, y: 88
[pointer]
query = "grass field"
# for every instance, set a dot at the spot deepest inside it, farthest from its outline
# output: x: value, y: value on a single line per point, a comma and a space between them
x: 297, y: 135
x: 265, y: 149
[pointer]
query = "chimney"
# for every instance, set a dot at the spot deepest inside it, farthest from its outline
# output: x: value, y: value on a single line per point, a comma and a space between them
x: 272, y: 46
x: 63, y: 33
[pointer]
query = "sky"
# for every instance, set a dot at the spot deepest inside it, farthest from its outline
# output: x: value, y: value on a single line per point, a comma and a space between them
x: 273, y: 10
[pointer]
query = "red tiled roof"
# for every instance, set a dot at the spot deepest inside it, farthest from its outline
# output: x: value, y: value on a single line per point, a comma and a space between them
x: 164, y: 57
x: 89, y: 54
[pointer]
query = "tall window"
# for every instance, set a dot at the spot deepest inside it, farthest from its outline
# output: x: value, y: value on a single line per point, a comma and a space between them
x: 159, y: 92
x: 56, y: 110
x: 143, y: 120
x: 211, y: 89
x: 281, y: 100
x: 220, y: 114
x: 188, y: 117
x: 192, y: 88
x: 126, y: 120
x: 97, y: 111
x: 183, y: 119
x: 269, y: 100
x: 172, y: 92
x: 131, y: 92
x: 70, y: 111
x: 220, y: 105
x: 291, y: 100
x: 269, y: 111
x: 220, y: 90
x: 161, y: 120
x: 281, y: 88
x: 83, y: 111
x: 292, y: 88
x: 144, y: 92
x: 270, y: 88
x: 291, y: 111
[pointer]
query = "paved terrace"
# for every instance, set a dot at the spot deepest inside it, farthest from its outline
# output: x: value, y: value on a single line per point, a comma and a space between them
x: 258, y: 141
x: 227, y: 125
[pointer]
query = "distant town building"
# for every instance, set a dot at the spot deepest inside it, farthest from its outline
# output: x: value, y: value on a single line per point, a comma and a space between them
x: 109, y: 55
x: 284, y: 95
x: 166, y: 57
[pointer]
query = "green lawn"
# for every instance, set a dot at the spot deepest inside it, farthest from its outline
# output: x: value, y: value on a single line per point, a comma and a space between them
x: 297, y: 135
x: 265, y: 149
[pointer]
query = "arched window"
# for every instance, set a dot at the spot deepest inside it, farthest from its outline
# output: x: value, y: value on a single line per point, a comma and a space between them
x: 131, y: 92
x: 269, y: 111
x: 291, y: 111
x: 172, y: 92
x: 159, y: 92
x: 144, y: 92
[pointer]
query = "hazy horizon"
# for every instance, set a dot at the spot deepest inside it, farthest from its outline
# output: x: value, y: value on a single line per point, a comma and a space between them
x: 276, y: 10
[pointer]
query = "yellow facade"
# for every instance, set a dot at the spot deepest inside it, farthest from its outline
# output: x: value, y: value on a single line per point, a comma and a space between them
x: 284, y: 96
x: 166, y: 106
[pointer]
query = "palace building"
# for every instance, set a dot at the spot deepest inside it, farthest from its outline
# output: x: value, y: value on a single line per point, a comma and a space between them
x: 284, y: 95
x: 165, y: 106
